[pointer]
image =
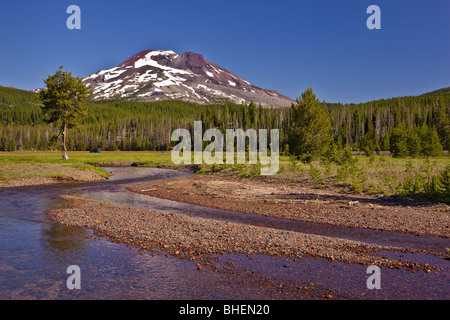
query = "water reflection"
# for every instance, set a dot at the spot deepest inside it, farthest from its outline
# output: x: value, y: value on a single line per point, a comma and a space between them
x: 66, y: 239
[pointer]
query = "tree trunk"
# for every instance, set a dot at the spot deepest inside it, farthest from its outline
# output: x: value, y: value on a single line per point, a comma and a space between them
x: 65, y: 155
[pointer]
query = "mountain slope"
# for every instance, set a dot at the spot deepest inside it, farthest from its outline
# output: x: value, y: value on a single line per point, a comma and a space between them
x: 162, y: 74
x: 438, y: 91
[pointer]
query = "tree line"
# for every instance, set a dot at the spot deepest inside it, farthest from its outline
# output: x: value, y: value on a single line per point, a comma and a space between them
x: 406, y: 126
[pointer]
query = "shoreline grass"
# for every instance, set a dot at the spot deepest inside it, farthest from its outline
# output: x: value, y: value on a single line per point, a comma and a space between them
x: 30, y: 165
x: 376, y: 175
x: 85, y: 157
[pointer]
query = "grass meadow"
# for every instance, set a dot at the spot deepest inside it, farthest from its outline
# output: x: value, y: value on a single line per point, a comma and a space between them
x: 377, y: 175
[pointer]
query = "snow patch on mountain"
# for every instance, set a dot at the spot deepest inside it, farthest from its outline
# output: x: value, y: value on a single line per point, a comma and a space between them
x: 153, y: 75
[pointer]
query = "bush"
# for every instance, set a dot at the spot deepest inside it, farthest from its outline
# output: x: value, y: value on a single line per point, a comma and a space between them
x: 314, y: 172
x: 444, y: 180
x: 390, y: 181
x: 339, y: 155
x: 413, y: 184
x: 327, y: 166
x: 425, y: 184
x: 293, y: 163
x: 432, y: 187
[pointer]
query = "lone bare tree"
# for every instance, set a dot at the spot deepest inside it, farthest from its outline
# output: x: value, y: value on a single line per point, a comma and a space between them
x: 63, y: 103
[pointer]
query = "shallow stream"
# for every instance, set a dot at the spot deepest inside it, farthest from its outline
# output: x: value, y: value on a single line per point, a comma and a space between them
x: 35, y: 253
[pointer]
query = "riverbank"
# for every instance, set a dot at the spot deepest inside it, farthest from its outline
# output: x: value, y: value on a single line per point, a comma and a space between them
x: 303, y: 203
x: 43, y: 168
x: 20, y: 174
x: 199, y: 239
x: 28, y: 174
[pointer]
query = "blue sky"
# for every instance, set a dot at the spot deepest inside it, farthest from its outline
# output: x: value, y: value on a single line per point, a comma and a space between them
x: 282, y: 45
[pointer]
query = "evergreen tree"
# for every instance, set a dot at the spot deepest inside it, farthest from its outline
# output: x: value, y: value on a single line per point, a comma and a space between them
x: 310, y: 130
x: 413, y: 142
x: 431, y: 145
x: 364, y: 126
x: 398, y: 142
x: 444, y: 180
x: 63, y: 102
x: 443, y: 122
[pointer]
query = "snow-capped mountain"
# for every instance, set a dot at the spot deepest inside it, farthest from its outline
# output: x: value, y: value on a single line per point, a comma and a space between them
x: 162, y: 74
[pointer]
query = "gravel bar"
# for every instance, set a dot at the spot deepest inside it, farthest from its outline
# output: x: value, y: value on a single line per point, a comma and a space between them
x: 195, y: 238
x: 304, y: 204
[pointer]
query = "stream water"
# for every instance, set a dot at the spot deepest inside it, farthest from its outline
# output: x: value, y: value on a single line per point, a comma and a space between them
x: 35, y: 253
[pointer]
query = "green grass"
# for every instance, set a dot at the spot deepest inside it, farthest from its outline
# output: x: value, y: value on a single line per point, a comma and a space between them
x: 416, y: 177
x: 145, y: 158
x: 371, y: 175
x: 10, y: 171
x: 49, y: 175
x: 19, y: 165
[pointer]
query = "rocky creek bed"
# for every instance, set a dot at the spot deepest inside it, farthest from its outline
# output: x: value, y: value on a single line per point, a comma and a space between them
x: 196, y: 238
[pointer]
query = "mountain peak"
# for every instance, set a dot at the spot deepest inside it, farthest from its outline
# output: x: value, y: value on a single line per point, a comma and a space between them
x: 143, y: 54
x: 163, y: 74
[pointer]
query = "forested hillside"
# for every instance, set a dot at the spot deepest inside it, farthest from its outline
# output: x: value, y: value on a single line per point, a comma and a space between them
x: 402, y: 125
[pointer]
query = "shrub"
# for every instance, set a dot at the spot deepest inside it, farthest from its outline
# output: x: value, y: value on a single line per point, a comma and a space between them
x: 327, y: 167
x: 413, y: 184
x: 293, y: 163
x: 339, y: 155
x: 390, y: 181
x: 357, y: 182
x: 444, y: 180
x: 314, y: 172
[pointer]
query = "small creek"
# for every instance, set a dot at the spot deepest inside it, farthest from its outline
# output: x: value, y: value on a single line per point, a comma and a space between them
x: 35, y: 253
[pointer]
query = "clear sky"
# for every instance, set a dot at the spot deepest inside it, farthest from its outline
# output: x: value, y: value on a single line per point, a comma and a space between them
x: 281, y: 45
